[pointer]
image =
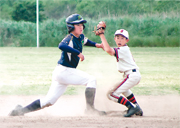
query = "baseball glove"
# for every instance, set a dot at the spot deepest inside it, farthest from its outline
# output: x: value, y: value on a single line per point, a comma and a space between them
x: 100, y: 28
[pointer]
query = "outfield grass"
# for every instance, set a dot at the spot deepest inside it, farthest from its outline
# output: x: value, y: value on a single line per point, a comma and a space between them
x: 28, y: 71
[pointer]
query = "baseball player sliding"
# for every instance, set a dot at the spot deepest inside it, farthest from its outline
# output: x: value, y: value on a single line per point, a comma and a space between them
x: 65, y: 72
x: 126, y: 65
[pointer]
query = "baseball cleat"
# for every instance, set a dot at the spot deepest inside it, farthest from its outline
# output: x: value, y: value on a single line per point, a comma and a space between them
x: 17, y: 111
x: 139, y: 113
x: 132, y: 110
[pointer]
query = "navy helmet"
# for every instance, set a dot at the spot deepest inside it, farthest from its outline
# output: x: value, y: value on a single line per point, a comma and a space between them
x: 74, y: 19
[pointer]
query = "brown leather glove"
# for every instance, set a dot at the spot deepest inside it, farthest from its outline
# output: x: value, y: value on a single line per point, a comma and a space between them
x: 100, y: 28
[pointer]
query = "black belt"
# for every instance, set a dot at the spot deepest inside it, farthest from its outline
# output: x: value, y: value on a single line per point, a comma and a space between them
x: 133, y: 70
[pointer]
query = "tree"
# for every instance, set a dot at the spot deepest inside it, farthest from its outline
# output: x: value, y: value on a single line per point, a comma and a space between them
x: 26, y: 10
x: 6, y: 8
x: 59, y: 8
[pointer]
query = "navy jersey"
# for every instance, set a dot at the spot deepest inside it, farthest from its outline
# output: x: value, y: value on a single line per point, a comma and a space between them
x: 71, y: 47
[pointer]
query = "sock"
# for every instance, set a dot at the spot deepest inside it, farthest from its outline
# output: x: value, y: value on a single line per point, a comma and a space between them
x: 90, y: 95
x: 32, y: 107
x: 132, y: 99
x: 124, y: 101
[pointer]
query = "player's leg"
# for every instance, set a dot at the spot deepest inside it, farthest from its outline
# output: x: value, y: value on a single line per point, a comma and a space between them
x: 55, y: 91
x: 134, y: 79
x: 115, y: 95
x: 130, y: 96
x: 20, y: 111
x: 79, y: 77
x: 132, y: 109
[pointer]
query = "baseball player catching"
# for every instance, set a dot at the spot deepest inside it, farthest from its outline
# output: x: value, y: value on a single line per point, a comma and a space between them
x: 126, y: 65
x: 66, y: 73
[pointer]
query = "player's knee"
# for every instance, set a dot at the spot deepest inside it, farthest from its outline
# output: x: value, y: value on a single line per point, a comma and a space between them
x: 92, y: 79
x: 109, y: 95
x: 91, y: 82
x: 46, y: 103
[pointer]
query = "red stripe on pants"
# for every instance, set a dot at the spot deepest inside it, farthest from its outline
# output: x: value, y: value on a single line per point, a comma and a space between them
x: 121, y: 83
x: 118, y: 87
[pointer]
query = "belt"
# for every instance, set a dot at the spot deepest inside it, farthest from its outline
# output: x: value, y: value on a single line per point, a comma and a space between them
x: 130, y: 71
x: 133, y: 70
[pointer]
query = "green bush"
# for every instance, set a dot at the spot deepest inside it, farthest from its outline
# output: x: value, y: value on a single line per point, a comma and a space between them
x: 52, y: 32
x: 147, y: 31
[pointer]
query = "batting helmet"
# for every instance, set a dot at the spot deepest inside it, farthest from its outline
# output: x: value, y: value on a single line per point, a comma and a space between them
x: 74, y: 19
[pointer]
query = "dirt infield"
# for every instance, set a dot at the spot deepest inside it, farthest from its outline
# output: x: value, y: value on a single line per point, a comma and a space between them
x: 68, y: 112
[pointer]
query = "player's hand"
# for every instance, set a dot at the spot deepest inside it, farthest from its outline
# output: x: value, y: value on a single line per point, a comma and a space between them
x: 100, y: 46
x: 81, y: 56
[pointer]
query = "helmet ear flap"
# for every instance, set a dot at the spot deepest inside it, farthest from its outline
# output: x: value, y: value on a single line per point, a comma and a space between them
x: 70, y: 27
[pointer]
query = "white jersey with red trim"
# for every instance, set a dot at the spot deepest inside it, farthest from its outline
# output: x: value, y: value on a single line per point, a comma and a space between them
x: 125, y: 61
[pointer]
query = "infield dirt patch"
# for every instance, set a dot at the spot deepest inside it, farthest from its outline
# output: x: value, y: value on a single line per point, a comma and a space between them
x: 68, y: 112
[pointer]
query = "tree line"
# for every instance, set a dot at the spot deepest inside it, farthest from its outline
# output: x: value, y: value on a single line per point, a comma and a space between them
x: 149, y: 22
x: 144, y: 31
x: 26, y: 9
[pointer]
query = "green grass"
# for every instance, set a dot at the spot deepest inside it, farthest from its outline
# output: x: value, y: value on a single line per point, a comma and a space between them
x: 28, y: 71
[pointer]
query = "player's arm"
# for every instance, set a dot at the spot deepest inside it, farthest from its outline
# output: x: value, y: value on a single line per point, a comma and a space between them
x: 93, y: 44
x: 107, y: 48
x: 64, y: 47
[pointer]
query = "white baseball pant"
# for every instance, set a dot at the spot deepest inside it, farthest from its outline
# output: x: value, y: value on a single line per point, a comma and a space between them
x: 61, y: 78
x: 130, y: 79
